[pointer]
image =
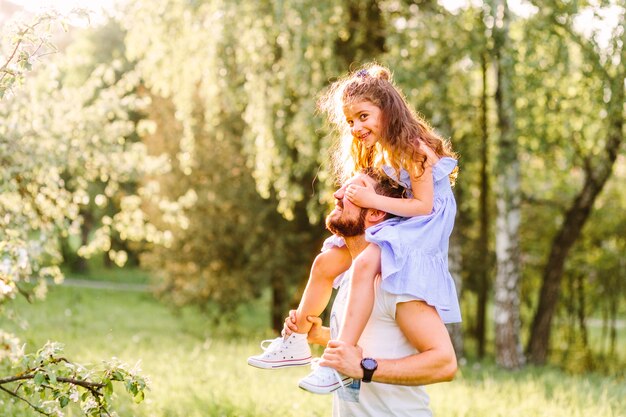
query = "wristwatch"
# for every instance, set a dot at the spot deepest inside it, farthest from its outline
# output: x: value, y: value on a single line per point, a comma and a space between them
x: 369, y: 365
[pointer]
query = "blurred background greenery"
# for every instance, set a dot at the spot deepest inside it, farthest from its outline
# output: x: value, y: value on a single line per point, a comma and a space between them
x: 179, y: 139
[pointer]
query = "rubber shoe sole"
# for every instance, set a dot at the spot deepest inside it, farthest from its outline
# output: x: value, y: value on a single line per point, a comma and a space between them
x: 285, y: 363
x: 324, y: 389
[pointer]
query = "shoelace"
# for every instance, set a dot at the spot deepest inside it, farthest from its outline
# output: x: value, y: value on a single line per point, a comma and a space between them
x: 315, y: 364
x: 272, y: 343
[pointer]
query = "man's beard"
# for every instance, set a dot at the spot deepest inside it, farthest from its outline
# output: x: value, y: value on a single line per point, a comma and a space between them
x: 347, y: 227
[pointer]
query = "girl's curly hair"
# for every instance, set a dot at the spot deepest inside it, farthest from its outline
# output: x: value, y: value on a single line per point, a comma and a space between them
x: 403, y: 130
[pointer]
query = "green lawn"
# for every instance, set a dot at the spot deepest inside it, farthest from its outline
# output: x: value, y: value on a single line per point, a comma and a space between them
x: 197, y: 371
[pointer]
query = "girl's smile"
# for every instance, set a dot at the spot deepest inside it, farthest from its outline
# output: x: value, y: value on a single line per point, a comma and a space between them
x: 363, y: 117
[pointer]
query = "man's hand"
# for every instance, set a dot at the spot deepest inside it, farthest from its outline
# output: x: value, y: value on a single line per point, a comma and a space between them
x: 344, y: 357
x: 318, y: 333
x: 362, y: 196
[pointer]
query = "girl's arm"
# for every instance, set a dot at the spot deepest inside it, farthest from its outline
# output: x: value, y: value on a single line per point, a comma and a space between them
x: 421, y: 204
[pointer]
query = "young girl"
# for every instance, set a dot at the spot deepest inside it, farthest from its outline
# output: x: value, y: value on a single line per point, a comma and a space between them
x: 411, y: 255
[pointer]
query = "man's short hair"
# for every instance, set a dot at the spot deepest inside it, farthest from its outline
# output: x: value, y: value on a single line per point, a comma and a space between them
x: 385, y: 185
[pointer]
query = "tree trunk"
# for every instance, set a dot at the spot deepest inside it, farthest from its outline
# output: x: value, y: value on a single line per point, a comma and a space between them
x: 484, y: 261
x: 279, y: 302
x: 507, y: 293
x: 575, y: 219
x: 81, y: 265
x: 581, y: 311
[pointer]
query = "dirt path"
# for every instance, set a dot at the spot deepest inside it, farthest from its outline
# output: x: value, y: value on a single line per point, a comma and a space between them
x: 105, y: 285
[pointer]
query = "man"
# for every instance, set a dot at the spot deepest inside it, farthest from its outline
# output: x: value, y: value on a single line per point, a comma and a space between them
x: 405, y: 344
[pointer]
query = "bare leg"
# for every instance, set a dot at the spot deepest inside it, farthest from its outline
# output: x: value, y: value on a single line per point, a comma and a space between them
x: 293, y: 349
x: 326, y: 267
x: 361, y: 295
x: 324, y: 380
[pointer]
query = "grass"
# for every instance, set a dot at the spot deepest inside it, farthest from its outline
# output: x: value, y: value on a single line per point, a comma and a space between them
x: 199, y: 370
x: 485, y: 391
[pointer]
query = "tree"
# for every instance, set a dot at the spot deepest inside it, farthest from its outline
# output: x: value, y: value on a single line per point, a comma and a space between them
x: 87, y: 50
x: 484, y: 248
x: 508, y: 274
x: 246, y: 104
x: 436, y: 57
x: 606, y: 66
x: 248, y: 74
x: 235, y: 242
x: 49, y: 135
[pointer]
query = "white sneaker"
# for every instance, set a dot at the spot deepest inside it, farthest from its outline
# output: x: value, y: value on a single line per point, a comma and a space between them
x: 283, y: 353
x: 324, y: 380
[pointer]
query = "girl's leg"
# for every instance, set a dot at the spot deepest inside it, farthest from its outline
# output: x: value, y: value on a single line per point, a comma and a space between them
x: 326, y: 267
x: 324, y: 380
x: 293, y: 350
x: 361, y: 295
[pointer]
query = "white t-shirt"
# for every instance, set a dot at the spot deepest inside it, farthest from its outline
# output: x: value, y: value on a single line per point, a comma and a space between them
x: 381, y: 339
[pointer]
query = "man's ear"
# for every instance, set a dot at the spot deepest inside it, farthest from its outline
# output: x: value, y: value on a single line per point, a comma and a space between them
x: 375, y: 216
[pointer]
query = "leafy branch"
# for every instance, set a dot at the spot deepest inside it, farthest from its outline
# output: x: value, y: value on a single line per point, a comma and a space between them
x: 27, y: 42
x: 48, y: 382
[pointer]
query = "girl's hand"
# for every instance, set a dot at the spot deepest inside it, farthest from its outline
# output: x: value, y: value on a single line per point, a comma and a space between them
x: 363, y: 196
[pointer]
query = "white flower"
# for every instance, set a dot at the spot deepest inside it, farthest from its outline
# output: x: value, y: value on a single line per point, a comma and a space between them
x: 5, y: 266
x: 74, y: 395
x: 88, y: 405
x: 6, y: 289
x: 22, y: 259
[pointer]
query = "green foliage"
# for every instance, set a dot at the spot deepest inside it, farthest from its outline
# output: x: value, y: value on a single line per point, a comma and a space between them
x: 223, y: 252
x: 239, y: 82
x: 231, y: 176
x: 48, y: 382
x: 233, y: 242
x: 56, y: 141
x: 265, y: 60
x: 68, y: 150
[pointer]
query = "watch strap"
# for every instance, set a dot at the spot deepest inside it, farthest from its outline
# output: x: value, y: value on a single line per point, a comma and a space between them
x: 367, y: 375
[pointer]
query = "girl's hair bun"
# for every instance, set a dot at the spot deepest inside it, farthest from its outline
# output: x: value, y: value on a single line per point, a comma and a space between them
x: 373, y: 71
x: 380, y: 72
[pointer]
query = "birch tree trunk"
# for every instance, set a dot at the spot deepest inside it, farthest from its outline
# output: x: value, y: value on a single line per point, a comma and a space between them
x: 507, y: 286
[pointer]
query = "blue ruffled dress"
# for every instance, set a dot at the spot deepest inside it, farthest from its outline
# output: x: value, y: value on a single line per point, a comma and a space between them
x: 414, y: 250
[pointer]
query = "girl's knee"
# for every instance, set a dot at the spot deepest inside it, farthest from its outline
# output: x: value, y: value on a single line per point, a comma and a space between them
x: 320, y: 264
x: 331, y: 263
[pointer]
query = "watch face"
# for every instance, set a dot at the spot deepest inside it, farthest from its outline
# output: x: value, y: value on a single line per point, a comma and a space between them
x: 369, y: 364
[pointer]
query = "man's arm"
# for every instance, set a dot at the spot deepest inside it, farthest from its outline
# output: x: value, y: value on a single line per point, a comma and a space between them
x: 420, y: 323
